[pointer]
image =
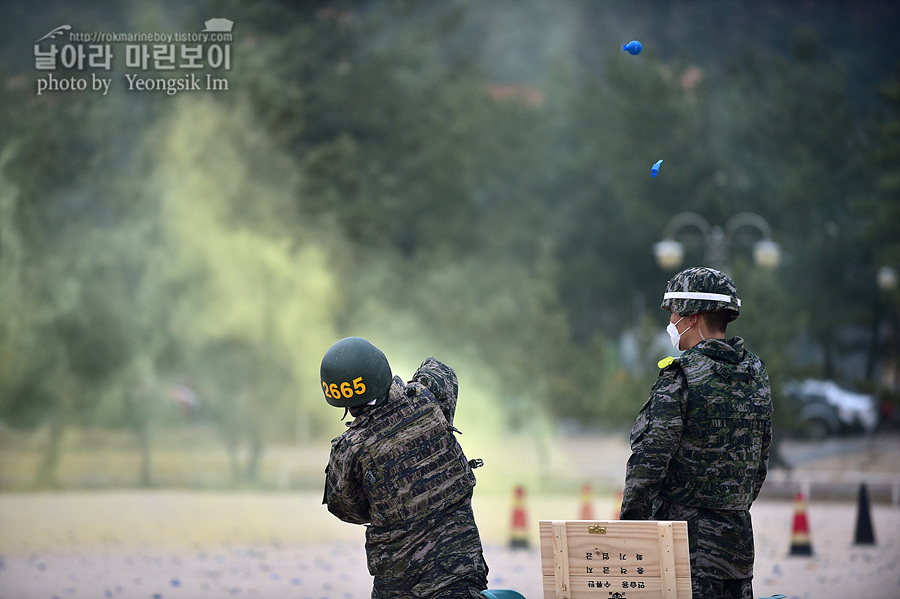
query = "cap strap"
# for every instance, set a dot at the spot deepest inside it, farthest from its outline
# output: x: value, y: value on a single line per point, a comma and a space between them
x: 697, y: 295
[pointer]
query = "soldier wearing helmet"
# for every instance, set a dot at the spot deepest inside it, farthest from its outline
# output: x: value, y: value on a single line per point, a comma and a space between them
x: 399, y: 469
x: 700, y: 444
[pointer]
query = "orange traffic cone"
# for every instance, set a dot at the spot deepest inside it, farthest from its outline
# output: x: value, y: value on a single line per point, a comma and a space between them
x: 518, y: 538
x: 587, y: 510
x: 618, y: 506
x: 800, y: 544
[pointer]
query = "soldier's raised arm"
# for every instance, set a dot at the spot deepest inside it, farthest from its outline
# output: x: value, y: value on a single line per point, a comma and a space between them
x: 441, y: 380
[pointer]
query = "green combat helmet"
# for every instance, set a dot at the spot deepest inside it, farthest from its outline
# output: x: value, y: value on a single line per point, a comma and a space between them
x: 354, y: 372
x: 701, y: 289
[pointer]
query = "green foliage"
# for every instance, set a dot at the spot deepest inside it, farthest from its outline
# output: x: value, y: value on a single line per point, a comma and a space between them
x: 794, y: 156
x: 367, y: 173
x: 883, y: 208
x: 881, y: 214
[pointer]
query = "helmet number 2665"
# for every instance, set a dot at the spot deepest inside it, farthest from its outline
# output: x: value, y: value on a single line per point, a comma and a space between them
x: 345, y: 389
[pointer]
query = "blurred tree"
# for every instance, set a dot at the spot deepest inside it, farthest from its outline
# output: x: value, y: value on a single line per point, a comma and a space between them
x: 432, y: 171
x: 882, y: 209
x: 68, y: 334
x: 28, y: 359
x: 366, y: 166
x: 254, y: 295
x: 766, y: 301
x: 617, y: 127
x: 50, y: 363
x: 233, y: 372
x: 793, y: 155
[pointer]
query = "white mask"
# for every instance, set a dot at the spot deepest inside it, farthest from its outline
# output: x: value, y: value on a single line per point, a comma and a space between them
x: 674, y: 335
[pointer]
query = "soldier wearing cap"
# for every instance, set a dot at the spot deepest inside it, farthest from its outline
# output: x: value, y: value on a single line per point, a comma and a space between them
x: 399, y: 470
x: 700, y: 444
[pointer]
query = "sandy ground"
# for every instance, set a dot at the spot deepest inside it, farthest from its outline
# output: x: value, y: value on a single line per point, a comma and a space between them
x: 196, y: 545
x: 192, y: 545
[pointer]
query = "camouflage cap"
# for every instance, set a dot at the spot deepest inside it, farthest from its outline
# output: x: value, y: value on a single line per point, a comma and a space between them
x: 701, y: 289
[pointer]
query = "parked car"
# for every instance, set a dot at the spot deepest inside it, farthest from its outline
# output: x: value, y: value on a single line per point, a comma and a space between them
x: 823, y: 408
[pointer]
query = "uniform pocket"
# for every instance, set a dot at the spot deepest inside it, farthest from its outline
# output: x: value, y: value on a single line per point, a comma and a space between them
x: 641, y: 423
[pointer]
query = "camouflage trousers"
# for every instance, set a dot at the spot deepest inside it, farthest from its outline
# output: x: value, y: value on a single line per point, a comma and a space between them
x: 713, y: 588
x: 451, y: 577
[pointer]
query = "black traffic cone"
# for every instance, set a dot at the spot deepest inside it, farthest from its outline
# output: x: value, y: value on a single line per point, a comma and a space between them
x: 864, y: 533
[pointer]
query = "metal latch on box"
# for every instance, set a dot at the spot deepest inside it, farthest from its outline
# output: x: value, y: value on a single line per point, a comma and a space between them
x: 596, y: 529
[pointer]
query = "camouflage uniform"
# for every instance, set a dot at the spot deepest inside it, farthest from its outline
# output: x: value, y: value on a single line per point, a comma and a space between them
x: 399, y: 469
x: 700, y: 449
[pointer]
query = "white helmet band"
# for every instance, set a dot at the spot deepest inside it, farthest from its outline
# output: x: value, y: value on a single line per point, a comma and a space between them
x: 697, y: 295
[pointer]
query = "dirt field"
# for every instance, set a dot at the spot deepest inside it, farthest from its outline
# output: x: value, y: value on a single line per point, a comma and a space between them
x: 195, y: 545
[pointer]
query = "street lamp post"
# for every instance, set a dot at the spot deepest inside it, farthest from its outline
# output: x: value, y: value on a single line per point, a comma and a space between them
x: 717, y: 240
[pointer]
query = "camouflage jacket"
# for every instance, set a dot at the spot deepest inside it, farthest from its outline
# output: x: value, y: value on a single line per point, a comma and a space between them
x: 399, y: 468
x: 700, y: 449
